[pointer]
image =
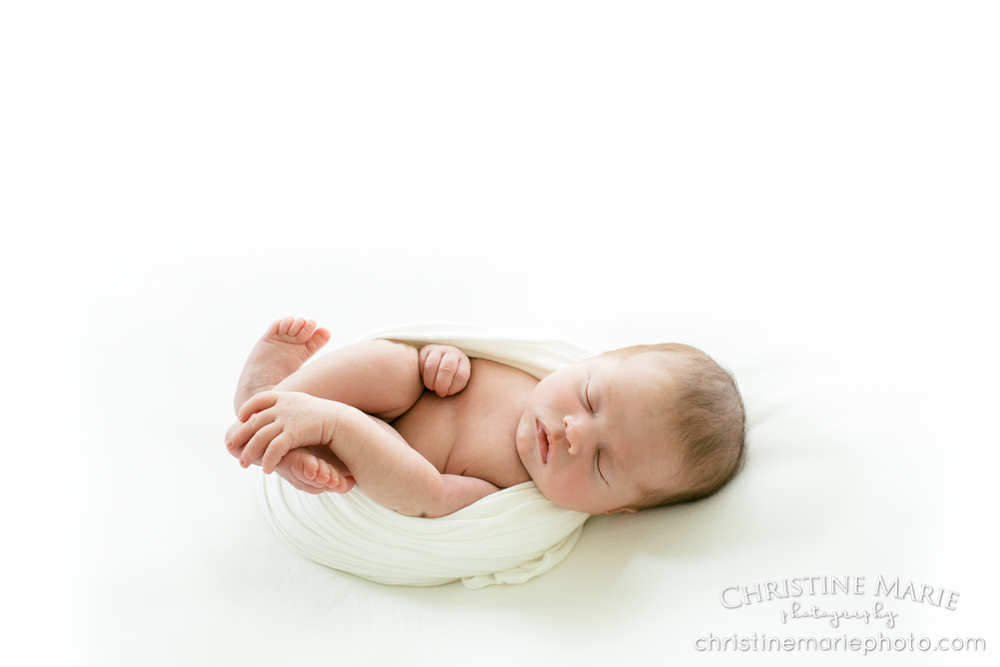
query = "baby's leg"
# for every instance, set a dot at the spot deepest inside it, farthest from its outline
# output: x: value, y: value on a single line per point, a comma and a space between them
x: 281, y: 351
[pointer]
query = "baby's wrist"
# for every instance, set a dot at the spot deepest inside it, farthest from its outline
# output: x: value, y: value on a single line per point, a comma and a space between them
x: 330, y: 414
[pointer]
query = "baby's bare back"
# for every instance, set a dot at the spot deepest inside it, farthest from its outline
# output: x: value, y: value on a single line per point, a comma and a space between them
x: 472, y: 433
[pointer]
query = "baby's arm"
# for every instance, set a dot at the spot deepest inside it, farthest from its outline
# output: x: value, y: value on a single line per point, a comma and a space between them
x: 385, y: 467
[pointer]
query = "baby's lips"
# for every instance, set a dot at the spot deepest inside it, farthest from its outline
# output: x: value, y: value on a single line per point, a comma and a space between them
x: 544, y: 442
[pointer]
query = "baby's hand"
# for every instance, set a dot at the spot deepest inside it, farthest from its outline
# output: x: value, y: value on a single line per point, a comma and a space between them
x: 275, y: 423
x: 444, y: 369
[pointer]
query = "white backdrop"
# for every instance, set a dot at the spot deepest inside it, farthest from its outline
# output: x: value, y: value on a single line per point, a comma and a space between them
x: 807, y: 193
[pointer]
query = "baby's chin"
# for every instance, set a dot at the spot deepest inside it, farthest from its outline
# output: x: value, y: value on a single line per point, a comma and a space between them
x: 567, y: 506
x: 578, y: 504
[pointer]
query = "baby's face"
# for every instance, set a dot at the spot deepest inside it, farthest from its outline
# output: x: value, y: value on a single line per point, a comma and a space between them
x: 591, y: 437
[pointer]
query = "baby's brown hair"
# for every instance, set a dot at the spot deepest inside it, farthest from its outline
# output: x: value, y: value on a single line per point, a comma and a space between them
x: 708, y: 422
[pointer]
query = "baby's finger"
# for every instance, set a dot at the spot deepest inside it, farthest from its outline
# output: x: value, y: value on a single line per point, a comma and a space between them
x: 257, y: 403
x: 443, y: 382
x: 277, y: 448
x: 461, y: 378
x: 237, y: 451
x: 230, y: 447
x: 232, y: 429
x: 257, y: 421
x: 431, y: 369
x: 259, y: 443
x: 422, y: 354
x: 457, y: 385
x: 446, y: 373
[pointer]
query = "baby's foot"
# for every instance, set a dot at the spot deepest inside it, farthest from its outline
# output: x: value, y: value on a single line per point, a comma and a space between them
x: 341, y: 480
x: 311, y: 470
x: 281, y: 351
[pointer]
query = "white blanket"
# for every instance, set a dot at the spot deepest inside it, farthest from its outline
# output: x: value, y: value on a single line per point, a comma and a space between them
x: 506, y: 538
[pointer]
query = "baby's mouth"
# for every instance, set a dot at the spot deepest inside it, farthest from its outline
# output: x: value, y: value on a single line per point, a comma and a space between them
x: 543, y: 441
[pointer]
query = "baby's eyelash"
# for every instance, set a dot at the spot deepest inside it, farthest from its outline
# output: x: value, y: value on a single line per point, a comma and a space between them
x: 597, y: 463
x: 586, y: 393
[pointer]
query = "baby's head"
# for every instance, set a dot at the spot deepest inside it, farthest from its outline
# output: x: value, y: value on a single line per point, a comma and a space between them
x: 640, y: 427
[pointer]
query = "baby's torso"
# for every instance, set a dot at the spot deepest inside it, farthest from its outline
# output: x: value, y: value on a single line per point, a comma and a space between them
x: 473, y: 432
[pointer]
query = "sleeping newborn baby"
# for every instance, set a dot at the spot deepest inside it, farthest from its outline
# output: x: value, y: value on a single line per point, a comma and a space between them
x: 428, y: 431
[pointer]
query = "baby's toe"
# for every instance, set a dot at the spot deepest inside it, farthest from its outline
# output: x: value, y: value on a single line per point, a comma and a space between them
x: 318, y: 338
x: 309, y: 466
x: 343, y: 485
x: 296, y: 326
x: 332, y: 477
x: 307, y: 329
x: 298, y: 466
x: 323, y: 474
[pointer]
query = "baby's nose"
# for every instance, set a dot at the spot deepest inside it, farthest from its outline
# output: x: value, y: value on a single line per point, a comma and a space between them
x: 574, y: 434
